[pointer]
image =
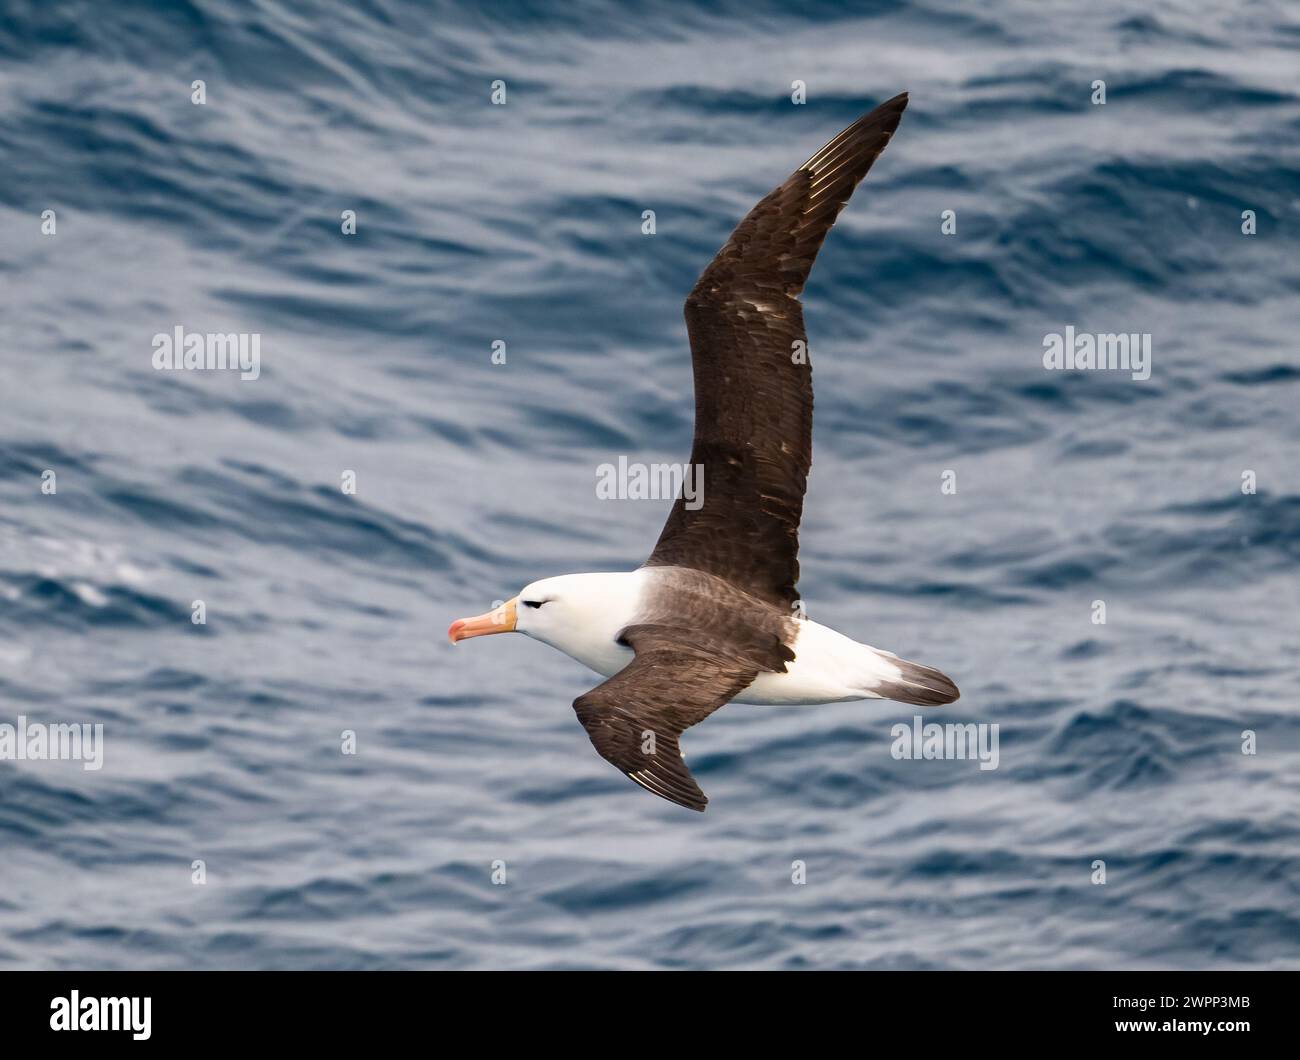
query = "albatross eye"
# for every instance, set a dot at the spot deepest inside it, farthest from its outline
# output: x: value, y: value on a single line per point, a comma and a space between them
x: 534, y: 603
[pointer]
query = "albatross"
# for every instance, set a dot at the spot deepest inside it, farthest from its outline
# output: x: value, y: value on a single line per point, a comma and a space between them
x: 712, y: 616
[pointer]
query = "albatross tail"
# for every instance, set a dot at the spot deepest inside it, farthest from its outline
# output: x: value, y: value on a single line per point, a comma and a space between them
x: 922, y: 686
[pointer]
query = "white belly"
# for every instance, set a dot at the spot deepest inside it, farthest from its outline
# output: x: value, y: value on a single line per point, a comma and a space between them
x: 828, y: 668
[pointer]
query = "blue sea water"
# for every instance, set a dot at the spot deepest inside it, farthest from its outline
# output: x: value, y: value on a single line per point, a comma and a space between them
x: 1120, y: 742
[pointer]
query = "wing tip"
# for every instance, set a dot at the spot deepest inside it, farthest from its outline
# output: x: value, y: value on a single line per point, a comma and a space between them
x: 891, y: 111
x: 880, y: 123
x: 698, y: 807
x: 677, y: 794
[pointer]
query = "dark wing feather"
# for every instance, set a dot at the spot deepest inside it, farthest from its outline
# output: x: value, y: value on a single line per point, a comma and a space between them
x: 753, y: 397
x: 668, y: 687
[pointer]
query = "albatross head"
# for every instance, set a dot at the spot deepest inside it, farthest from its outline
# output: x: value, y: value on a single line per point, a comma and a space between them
x: 577, y: 613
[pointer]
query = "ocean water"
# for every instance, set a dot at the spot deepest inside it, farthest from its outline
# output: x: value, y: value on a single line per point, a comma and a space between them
x: 1120, y: 742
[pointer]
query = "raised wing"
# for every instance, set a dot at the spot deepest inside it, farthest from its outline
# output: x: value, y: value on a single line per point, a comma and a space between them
x: 636, y: 717
x: 753, y: 385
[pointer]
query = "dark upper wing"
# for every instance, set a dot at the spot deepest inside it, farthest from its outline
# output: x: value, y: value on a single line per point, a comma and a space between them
x: 753, y: 395
x: 635, y: 718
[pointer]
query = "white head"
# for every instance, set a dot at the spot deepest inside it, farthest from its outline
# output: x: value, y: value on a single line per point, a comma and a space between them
x: 572, y: 612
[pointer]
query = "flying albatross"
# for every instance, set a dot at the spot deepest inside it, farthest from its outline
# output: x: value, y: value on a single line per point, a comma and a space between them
x: 713, y: 615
